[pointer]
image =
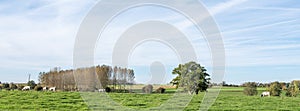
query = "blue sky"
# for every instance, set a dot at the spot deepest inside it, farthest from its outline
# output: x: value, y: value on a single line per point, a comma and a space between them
x: 261, y: 38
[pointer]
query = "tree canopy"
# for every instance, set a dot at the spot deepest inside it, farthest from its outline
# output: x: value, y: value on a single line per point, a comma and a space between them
x: 191, y: 76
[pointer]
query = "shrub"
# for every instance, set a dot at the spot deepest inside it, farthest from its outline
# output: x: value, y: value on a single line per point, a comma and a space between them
x: 275, y: 89
x: 289, y: 92
x: 293, y: 89
x: 147, y: 89
x: 250, y: 89
x: 38, y: 88
x: 160, y: 90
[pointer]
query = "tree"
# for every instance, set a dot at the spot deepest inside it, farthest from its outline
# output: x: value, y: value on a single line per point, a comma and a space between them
x: 177, y: 71
x: 250, y: 88
x: 293, y: 89
x: 31, y: 84
x: 283, y: 85
x: 191, y: 76
x: 275, y: 89
x: 87, y: 78
x: 224, y: 83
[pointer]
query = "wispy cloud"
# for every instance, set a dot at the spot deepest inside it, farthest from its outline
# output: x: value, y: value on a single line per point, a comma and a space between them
x: 274, y: 8
x: 260, y: 26
x: 184, y: 24
x: 38, y: 36
x: 221, y: 7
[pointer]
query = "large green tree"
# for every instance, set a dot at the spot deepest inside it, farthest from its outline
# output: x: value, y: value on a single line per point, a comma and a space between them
x: 191, y: 76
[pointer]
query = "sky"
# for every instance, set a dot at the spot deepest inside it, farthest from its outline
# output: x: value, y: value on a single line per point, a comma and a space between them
x: 261, y: 39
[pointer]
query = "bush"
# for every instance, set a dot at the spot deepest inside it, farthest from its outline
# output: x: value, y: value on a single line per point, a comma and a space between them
x: 288, y: 93
x: 147, y: 89
x: 275, y: 89
x: 293, y: 89
x: 38, y: 88
x: 250, y: 89
x: 160, y: 90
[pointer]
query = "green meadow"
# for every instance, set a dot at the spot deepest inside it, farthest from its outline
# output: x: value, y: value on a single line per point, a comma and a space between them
x: 230, y: 98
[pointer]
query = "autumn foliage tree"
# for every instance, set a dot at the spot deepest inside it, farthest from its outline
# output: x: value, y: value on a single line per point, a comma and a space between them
x: 88, y: 79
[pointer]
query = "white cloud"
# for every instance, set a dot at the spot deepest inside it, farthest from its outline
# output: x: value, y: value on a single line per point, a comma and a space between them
x: 42, y: 36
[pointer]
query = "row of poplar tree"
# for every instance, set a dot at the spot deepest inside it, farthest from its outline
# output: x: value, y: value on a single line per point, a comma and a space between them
x: 88, y: 79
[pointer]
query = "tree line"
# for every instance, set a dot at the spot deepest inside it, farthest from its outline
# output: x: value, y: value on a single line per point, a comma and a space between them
x: 88, y: 79
x: 292, y: 89
x: 284, y: 85
x: 14, y: 86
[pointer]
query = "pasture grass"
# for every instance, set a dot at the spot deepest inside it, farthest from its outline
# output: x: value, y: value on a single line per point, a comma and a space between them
x: 40, y: 101
x: 229, y: 99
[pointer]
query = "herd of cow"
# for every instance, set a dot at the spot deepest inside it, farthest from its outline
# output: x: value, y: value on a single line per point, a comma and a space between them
x: 263, y: 94
x: 26, y: 88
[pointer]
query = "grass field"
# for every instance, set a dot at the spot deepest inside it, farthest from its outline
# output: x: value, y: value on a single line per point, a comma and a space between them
x: 228, y: 99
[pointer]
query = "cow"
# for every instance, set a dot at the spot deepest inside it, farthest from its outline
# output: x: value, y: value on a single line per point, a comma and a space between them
x: 52, y: 88
x: 45, y: 88
x: 101, y: 90
x: 26, y: 88
x: 266, y: 93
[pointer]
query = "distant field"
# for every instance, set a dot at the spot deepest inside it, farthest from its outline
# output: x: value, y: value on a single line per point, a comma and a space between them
x: 228, y: 99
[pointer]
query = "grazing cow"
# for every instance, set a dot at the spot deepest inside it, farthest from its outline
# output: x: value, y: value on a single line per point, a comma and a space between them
x: 45, y: 88
x: 52, y: 88
x: 101, y: 90
x: 26, y: 88
x: 263, y: 94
